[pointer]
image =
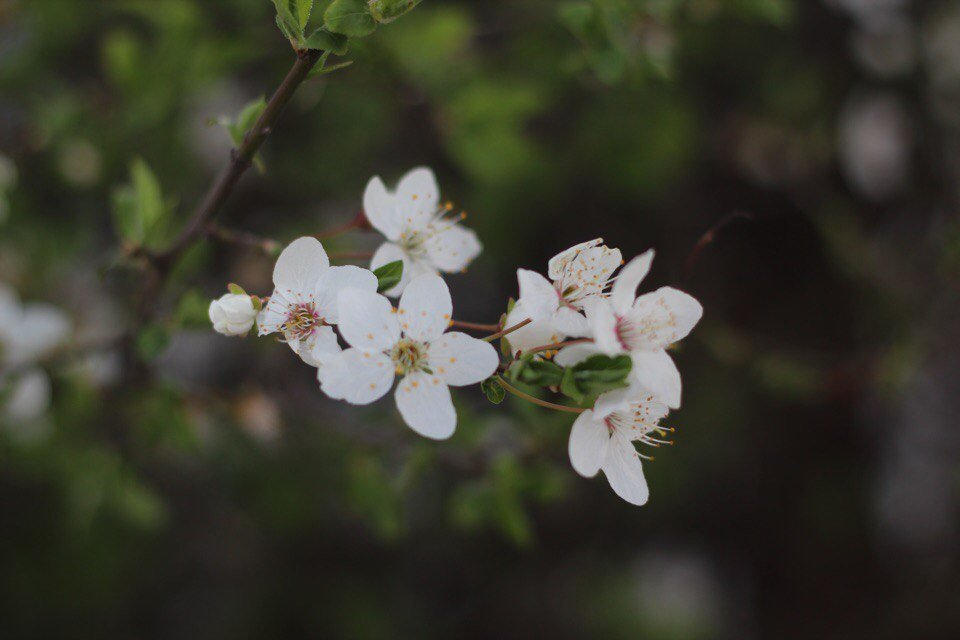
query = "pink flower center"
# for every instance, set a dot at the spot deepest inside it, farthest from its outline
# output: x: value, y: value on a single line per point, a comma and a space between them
x: 301, y: 321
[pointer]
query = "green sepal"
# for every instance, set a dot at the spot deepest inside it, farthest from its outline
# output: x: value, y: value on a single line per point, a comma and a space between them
x: 389, y: 275
x: 492, y: 389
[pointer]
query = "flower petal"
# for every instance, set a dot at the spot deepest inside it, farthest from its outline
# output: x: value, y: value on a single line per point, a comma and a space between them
x: 367, y: 320
x: 560, y: 261
x: 425, y: 308
x: 337, y: 279
x: 624, y: 290
x: 666, y: 315
x: 417, y: 198
x: 575, y: 353
x: 461, y: 359
x: 452, y: 249
x: 42, y: 328
x: 29, y: 396
x: 535, y: 334
x: 624, y: 471
x: 571, y: 322
x: 656, y: 371
x: 379, y: 205
x: 425, y: 404
x: 589, y: 439
x: 603, y: 327
x: 317, y: 348
x: 299, y: 267
x: 356, y: 375
x: 272, y: 316
x: 538, y: 295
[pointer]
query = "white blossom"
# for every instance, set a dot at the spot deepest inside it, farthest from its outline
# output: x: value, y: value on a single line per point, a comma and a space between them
x: 303, y: 305
x: 28, y: 333
x: 419, y: 230
x: 409, y: 342
x: 233, y: 314
x: 642, y: 327
x: 578, y: 275
x: 603, y: 438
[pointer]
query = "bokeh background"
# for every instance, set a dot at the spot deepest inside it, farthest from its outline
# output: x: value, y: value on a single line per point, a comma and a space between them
x: 813, y: 488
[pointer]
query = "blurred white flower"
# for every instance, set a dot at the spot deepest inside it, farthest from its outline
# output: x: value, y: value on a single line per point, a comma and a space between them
x: 409, y: 342
x: 419, y: 230
x: 27, y: 334
x: 642, y: 327
x: 304, y: 302
x: 875, y: 140
x: 602, y: 439
x: 233, y: 314
x: 578, y: 275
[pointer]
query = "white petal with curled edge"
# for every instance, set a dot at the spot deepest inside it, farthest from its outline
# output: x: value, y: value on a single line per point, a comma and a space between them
x: 539, y: 297
x: 425, y: 404
x: 425, y: 308
x: 589, y: 439
x: 624, y: 290
x: 367, y: 320
x: 575, y: 353
x: 560, y: 261
x: 571, y: 322
x: 452, y: 249
x: 624, y: 471
x: 619, y: 400
x: 535, y: 334
x: 337, y: 279
x: 379, y: 205
x: 461, y: 359
x: 319, y: 347
x: 656, y: 371
x: 299, y: 267
x: 603, y: 327
x: 356, y: 375
x: 418, y: 199
x: 666, y: 315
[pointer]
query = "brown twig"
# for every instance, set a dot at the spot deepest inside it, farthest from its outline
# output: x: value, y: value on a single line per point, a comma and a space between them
x: 245, y: 239
x: 476, y: 326
x: 709, y: 237
x: 555, y: 346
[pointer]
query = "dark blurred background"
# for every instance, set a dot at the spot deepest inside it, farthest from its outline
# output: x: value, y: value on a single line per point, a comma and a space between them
x: 813, y: 489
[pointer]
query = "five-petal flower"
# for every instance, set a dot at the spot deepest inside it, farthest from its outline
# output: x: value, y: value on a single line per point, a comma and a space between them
x: 640, y: 326
x: 419, y: 229
x: 408, y: 342
x: 304, y: 302
x: 603, y: 438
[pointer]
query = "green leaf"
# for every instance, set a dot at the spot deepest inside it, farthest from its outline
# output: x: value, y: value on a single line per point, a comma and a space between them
x: 506, y: 348
x: 139, y: 211
x: 388, y: 275
x: 322, y: 40
x: 152, y: 341
x: 321, y: 70
x: 595, y: 375
x: 536, y: 372
x: 389, y: 10
x: 193, y: 311
x: 303, y: 8
x: 492, y: 389
x: 351, y: 18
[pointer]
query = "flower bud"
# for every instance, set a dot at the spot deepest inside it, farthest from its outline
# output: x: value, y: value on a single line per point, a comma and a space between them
x: 233, y: 314
x: 384, y: 11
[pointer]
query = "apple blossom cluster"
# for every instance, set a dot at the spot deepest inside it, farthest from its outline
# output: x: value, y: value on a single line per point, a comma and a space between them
x: 581, y: 331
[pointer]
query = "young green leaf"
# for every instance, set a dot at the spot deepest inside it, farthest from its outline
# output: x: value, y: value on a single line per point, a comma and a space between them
x: 388, y: 275
x: 595, y: 375
x: 303, y: 8
x: 322, y: 40
x: 139, y: 210
x: 389, y: 10
x: 351, y: 18
x: 492, y: 389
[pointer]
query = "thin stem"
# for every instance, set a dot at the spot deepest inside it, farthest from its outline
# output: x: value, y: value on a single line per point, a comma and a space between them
x: 508, y: 330
x: 240, y: 161
x: 245, y: 239
x: 543, y: 403
x: 476, y: 326
x: 358, y: 221
x: 558, y: 345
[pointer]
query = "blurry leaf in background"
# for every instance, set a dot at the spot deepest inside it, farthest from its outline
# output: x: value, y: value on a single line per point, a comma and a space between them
x: 140, y: 214
x: 239, y: 128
